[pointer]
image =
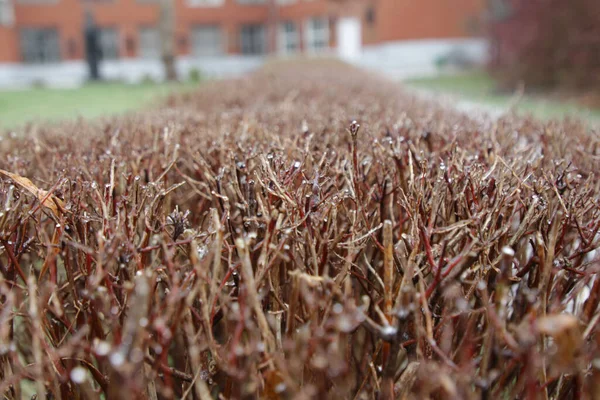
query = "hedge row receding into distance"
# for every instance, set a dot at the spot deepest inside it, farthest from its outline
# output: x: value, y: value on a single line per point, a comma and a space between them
x: 309, y: 231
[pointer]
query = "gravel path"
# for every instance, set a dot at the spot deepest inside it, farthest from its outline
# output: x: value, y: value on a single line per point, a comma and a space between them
x: 471, y: 108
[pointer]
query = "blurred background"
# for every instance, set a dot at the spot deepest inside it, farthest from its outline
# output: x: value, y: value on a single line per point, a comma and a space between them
x: 62, y: 58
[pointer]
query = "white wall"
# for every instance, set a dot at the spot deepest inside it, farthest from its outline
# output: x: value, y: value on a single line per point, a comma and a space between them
x: 400, y: 60
x: 74, y: 73
x: 415, y: 58
x: 349, y: 37
x: 65, y: 74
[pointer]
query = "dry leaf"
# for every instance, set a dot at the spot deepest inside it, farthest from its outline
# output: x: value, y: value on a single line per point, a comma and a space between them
x: 555, y: 325
x: 274, y: 385
x: 407, y: 380
x: 50, y: 260
x: 564, y: 329
x: 56, y: 205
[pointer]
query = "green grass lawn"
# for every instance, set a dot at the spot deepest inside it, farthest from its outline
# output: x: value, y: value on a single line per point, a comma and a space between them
x: 478, y: 87
x: 91, y: 100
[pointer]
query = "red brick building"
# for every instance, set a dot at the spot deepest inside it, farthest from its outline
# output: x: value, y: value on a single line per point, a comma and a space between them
x: 43, y: 32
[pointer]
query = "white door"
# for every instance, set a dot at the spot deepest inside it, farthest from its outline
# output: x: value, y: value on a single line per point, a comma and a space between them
x: 349, y: 38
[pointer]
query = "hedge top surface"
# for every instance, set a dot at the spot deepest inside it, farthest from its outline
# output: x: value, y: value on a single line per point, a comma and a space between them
x: 309, y: 231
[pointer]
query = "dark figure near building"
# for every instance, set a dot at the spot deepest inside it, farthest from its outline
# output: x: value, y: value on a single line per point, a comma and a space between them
x: 93, y: 53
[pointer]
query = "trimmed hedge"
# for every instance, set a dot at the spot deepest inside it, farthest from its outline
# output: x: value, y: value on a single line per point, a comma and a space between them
x: 251, y: 241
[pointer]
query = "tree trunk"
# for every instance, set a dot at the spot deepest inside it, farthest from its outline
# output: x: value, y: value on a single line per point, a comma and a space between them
x: 272, y: 26
x: 167, y: 38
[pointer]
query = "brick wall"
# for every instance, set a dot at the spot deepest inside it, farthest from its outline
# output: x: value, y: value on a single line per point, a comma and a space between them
x: 382, y: 20
x: 425, y: 19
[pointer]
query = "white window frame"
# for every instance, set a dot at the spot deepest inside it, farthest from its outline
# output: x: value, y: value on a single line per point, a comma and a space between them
x: 285, y: 38
x: 205, y: 3
x: 7, y: 13
x: 215, y: 49
x: 156, y: 53
x: 311, y: 35
x: 36, y: 1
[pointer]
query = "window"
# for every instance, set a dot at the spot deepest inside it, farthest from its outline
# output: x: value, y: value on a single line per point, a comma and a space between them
x: 109, y: 43
x: 251, y: 1
x: 205, y: 3
x: 253, y: 39
x: 288, y: 38
x: 317, y: 34
x: 39, y: 45
x: 149, y: 43
x: 206, y: 40
x: 7, y: 14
